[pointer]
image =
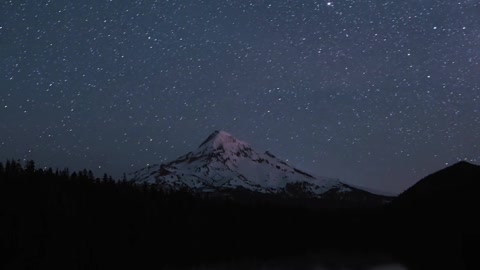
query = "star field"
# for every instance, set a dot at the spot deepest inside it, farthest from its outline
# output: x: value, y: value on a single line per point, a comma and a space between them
x: 376, y: 93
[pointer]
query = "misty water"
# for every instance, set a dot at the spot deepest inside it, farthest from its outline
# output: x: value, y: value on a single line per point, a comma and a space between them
x: 319, y: 266
x: 326, y: 261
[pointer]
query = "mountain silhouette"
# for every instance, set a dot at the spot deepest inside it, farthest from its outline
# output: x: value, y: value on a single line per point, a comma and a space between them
x: 453, y: 190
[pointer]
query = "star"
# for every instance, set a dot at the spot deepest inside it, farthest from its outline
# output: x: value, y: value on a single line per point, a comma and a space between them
x: 366, y: 98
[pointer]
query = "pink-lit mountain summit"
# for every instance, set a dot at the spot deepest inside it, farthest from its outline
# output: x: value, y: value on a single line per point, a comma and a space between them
x: 223, y: 163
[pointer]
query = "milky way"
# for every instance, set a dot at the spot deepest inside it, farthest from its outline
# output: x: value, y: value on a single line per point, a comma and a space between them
x: 376, y: 93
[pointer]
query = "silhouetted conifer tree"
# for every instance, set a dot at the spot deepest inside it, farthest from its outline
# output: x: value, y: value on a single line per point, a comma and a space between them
x: 30, y: 167
x: 91, y: 177
x: 65, y: 173
x: 7, y: 167
x: 49, y: 172
x: 18, y: 167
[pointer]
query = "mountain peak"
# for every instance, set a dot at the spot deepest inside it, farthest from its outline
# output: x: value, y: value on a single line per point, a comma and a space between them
x: 462, y: 164
x: 222, y: 139
x: 216, y: 135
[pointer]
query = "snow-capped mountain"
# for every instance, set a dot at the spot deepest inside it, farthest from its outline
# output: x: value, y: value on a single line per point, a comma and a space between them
x: 222, y: 163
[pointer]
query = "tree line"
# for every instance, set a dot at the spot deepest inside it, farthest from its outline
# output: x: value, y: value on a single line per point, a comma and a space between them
x: 58, y: 218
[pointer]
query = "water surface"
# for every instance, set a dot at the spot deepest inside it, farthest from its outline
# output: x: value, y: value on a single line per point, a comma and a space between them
x: 323, y: 261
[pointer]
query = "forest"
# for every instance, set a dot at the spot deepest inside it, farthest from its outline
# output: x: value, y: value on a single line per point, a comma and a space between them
x: 57, y: 218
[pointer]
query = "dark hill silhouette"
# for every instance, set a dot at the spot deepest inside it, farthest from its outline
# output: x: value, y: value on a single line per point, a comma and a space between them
x: 453, y: 191
x: 438, y: 216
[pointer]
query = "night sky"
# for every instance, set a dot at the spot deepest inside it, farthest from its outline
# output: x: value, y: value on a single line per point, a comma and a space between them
x: 376, y: 93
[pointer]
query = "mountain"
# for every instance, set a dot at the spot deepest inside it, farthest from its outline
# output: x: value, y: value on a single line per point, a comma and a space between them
x: 438, y: 217
x: 223, y: 164
x: 445, y: 201
x: 452, y: 189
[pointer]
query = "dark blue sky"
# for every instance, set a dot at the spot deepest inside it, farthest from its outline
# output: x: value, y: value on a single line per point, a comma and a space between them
x: 376, y: 93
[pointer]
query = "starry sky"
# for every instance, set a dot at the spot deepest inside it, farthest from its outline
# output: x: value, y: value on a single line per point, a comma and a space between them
x: 376, y: 93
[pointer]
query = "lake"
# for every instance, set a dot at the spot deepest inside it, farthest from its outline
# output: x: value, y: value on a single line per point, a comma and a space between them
x: 323, y: 261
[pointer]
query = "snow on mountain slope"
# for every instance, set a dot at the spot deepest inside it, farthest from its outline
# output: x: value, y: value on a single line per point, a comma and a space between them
x: 223, y: 162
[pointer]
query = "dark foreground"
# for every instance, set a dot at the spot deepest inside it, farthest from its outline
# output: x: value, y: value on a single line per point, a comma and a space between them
x: 58, y: 219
